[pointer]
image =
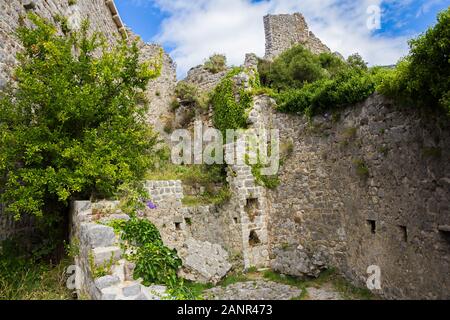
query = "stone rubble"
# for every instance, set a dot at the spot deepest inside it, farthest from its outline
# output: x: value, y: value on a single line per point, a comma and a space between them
x: 204, y: 262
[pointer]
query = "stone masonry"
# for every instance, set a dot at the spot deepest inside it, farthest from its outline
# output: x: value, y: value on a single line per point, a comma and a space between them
x: 286, y: 30
x: 204, y: 79
x: 99, y: 12
x: 367, y: 187
x: 99, y: 247
x: 370, y: 189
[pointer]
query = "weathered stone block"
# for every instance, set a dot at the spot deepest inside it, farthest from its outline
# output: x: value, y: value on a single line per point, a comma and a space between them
x: 104, y: 255
x: 132, y: 290
x: 106, y: 281
x: 96, y: 235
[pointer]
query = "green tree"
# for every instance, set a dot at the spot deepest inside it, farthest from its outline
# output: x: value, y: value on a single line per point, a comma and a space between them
x: 356, y: 61
x: 423, y: 77
x: 216, y: 63
x: 72, y: 125
x: 293, y: 68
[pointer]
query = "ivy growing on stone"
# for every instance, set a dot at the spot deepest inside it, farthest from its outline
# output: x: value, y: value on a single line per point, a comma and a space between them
x: 230, y: 103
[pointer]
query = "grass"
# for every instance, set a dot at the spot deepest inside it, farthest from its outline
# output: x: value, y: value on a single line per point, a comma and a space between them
x: 189, y: 174
x: 24, y: 280
x: 207, y: 198
x: 195, y: 175
x: 198, y: 288
x: 348, y: 135
x: 361, y: 169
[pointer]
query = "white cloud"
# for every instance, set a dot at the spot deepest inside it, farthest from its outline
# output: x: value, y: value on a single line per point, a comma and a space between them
x: 197, y: 29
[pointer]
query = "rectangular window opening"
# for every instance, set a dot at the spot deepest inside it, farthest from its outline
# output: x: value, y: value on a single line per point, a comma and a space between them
x: 404, y: 233
x: 373, y: 226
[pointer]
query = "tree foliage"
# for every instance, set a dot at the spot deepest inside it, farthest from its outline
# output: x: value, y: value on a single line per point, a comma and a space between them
x: 297, y: 67
x: 308, y: 83
x: 216, y: 63
x: 423, y: 77
x: 72, y: 125
x: 348, y: 87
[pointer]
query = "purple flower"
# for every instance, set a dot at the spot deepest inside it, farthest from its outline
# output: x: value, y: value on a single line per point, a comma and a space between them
x: 151, y: 205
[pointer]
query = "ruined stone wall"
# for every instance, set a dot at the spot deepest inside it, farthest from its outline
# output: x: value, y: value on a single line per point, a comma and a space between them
x: 160, y: 91
x: 286, y: 30
x: 10, y: 228
x: 372, y: 188
x: 204, y: 79
x: 13, y: 11
x: 177, y: 223
x: 98, y: 247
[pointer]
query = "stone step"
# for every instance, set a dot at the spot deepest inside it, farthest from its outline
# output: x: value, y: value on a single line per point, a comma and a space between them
x: 103, y: 255
x: 106, y: 282
x: 95, y: 235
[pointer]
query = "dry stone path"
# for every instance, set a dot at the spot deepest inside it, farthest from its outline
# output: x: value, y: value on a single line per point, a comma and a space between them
x: 326, y: 292
x: 253, y: 290
x: 261, y: 290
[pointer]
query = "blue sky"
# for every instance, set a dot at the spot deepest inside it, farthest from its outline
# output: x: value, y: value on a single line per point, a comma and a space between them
x: 191, y: 30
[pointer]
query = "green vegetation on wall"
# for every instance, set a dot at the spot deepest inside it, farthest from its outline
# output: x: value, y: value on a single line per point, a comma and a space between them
x: 216, y: 63
x: 230, y: 104
x: 312, y: 84
x: 309, y: 84
x: 155, y: 263
x: 211, y: 177
x: 423, y: 77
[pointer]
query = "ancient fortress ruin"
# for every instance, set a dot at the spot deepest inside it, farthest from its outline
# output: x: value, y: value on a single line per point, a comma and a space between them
x: 323, y: 214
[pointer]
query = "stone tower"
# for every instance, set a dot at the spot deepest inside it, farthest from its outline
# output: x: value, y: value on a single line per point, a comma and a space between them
x: 286, y: 30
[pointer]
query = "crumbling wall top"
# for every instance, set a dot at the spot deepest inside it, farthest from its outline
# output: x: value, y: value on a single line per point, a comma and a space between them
x: 286, y: 30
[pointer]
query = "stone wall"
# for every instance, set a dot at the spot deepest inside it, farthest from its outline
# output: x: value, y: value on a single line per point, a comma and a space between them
x: 197, y: 233
x: 285, y: 30
x: 160, y: 91
x: 370, y: 188
x: 10, y: 228
x: 99, y: 247
x: 13, y: 11
x: 204, y: 79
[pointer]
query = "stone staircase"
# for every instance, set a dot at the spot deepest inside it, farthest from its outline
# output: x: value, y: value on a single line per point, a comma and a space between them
x: 99, y: 247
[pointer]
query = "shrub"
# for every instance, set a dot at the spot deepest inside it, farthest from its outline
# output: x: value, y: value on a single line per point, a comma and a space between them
x: 356, y: 61
x: 348, y: 87
x: 186, y: 92
x: 175, y: 104
x: 71, y: 127
x: 361, y: 169
x: 155, y: 263
x: 216, y: 63
x: 423, y: 77
x: 292, y: 69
